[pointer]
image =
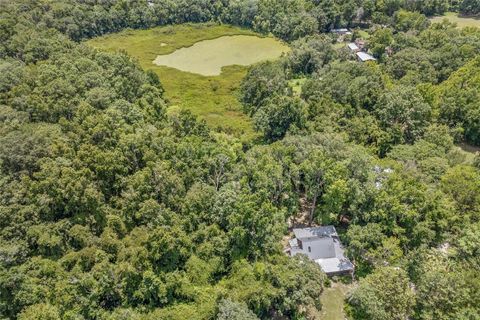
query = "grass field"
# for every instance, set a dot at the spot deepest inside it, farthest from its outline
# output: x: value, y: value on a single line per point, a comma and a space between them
x: 211, y: 97
x: 332, y: 302
x: 460, y: 21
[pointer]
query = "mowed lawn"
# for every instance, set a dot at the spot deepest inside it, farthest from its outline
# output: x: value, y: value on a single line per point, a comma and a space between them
x: 460, y: 21
x: 213, y: 98
x: 333, y: 299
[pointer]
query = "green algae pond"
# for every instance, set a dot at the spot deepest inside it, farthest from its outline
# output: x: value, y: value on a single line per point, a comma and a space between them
x: 208, y: 57
x: 212, y: 97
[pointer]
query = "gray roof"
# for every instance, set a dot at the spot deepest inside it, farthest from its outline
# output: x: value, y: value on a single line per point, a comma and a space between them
x: 322, y: 245
x: 315, y: 232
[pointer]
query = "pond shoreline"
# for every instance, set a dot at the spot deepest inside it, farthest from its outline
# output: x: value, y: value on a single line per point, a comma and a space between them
x: 208, y: 57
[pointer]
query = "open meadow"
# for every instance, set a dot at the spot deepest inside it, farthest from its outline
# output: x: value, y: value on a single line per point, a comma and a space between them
x: 202, y: 90
x: 459, y: 20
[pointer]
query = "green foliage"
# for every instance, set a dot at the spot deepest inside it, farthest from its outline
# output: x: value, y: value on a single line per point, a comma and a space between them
x: 380, y: 40
x: 228, y: 309
x: 446, y: 288
x: 278, y: 115
x: 385, y: 294
x: 405, y: 21
x: 469, y: 7
x: 310, y: 54
x: 40, y: 312
x: 260, y: 83
x: 458, y: 100
x: 113, y: 208
x: 403, y: 113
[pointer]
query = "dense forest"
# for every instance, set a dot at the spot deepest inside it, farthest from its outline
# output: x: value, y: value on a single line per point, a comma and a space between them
x: 112, y: 208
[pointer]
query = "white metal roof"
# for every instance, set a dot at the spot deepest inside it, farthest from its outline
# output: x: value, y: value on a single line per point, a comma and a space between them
x: 365, y: 56
x: 353, y: 46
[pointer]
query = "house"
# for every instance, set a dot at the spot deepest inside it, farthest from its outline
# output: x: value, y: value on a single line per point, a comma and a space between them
x: 353, y: 47
x: 322, y: 245
x: 363, y: 57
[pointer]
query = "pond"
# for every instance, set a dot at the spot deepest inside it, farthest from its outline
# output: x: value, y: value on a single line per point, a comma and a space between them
x: 209, y: 56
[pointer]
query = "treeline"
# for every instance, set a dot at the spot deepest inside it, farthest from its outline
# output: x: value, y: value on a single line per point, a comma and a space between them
x: 469, y: 7
x: 27, y: 24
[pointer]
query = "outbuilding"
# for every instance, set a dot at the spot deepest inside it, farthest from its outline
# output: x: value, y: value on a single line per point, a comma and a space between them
x: 353, y: 47
x: 363, y: 57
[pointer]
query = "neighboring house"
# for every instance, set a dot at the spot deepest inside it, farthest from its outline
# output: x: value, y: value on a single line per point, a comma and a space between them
x: 363, y: 57
x: 353, y: 47
x: 341, y: 31
x: 322, y: 245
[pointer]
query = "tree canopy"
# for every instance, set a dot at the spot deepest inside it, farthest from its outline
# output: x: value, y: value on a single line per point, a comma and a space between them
x: 115, y: 206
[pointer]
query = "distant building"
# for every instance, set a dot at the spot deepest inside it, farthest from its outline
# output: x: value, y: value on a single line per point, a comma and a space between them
x: 341, y: 31
x: 363, y: 57
x: 353, y: 47
x: 322, y: 245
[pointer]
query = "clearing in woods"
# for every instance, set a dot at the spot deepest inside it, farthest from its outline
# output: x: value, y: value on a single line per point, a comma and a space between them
x: 460, y: 21
x: 212, y: 96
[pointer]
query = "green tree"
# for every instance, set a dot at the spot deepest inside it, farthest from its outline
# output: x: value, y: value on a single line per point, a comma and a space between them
x: 384, y: 294
x: 380, y: 40
x: 261, y: 83
x: 279, y: 115
x: 228, y: 309
x: 403, y: 114
x: 40, y: 312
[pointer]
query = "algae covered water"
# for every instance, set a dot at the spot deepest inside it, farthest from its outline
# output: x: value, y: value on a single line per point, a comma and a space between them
x: 209, y: 56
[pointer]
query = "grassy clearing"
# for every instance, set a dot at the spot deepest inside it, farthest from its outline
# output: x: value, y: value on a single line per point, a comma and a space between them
x: 364, y: 34
x: 460, y: 21
x: 332, y: 302
x: 296, y: 85
x: 211, y: 97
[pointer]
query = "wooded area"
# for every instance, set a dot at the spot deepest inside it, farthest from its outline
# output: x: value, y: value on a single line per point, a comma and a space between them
x: 113, y: 208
